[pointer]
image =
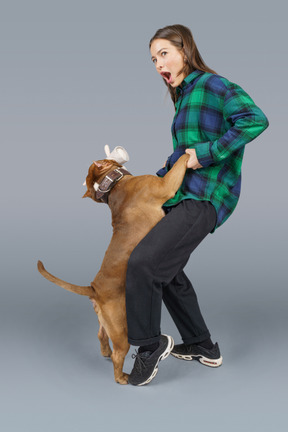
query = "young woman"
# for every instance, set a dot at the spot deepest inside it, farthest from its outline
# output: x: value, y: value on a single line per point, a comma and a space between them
x: 214, y: 119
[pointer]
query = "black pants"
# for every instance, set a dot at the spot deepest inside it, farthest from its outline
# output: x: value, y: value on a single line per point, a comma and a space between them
x: 155, y: 272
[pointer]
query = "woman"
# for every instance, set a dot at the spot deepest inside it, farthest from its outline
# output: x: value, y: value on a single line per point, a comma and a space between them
x: 214, y: 119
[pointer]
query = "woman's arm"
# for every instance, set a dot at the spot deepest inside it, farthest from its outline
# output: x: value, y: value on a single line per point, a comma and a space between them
x: 247, y: 122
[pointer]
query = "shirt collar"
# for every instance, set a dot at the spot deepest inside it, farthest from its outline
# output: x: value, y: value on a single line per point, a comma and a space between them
x: 188, y: 81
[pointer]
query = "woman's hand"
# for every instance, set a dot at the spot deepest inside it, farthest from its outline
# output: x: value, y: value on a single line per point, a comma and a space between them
x: 193, y: 161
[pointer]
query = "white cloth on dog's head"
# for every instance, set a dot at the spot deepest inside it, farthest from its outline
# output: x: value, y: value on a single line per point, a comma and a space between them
x: 119, y: 154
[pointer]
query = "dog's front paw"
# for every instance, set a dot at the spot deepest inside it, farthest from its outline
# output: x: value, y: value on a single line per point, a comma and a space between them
x: 122, y: 379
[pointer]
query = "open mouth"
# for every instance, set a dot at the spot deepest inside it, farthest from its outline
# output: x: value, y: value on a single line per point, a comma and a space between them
x: 166, y: 76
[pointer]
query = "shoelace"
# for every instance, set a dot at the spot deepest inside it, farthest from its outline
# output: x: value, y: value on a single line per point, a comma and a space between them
x: 139, y: 362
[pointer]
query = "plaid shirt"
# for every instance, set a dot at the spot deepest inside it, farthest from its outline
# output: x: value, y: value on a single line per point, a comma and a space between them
x: 216, y: 118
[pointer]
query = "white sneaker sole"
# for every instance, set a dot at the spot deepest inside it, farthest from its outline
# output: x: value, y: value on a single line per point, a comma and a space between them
x: 204, y: 360
x: 163, y: 356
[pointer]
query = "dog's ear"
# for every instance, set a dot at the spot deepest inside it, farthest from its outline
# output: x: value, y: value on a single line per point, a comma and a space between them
x: 87, y: 194
x: 98, y: 164
x: 103, y: 164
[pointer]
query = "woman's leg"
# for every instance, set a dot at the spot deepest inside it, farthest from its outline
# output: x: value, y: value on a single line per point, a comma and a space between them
x: 181, y: 301
x: 157, y: 263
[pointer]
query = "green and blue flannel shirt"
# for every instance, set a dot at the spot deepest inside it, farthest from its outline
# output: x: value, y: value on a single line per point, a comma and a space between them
x: 217, y: 118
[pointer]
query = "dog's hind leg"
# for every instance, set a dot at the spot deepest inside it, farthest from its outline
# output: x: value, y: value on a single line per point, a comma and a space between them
x: 120, y: 349
x: 114, y: 319
x: 104, y: 341
x: 102, y: 335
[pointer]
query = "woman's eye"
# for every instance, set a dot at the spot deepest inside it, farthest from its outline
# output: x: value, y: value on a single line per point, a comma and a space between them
x: 163, y: 53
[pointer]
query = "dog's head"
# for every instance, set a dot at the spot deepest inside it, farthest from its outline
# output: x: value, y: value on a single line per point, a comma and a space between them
x: 96, y: 174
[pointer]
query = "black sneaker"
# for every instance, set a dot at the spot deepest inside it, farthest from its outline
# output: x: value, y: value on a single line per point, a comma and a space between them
x: 146, y: 363
x: 209, y: 357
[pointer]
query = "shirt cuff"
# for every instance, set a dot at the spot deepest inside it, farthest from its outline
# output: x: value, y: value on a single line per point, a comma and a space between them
x: 162, y: 172
x: 203, y: 154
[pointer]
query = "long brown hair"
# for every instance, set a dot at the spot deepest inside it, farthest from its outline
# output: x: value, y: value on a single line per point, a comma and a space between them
x: 181, y: 37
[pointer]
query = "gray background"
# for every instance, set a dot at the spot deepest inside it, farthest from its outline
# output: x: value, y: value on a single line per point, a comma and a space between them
x: 76, y: 75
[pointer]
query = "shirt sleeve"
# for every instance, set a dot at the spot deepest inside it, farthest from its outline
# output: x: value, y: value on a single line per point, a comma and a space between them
x: 247, y: 122
x: 171, y: 160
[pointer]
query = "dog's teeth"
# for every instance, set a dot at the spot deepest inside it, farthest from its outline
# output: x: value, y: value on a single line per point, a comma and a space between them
x: 84, y: 184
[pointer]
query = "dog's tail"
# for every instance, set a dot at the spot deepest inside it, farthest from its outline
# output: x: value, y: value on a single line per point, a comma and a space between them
x: 82, y: 290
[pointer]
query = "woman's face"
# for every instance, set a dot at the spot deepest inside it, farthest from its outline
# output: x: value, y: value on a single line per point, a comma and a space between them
x: 169, y: 61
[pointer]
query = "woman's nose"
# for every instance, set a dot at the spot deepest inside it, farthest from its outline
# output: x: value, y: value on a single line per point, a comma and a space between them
x: 159, y: 65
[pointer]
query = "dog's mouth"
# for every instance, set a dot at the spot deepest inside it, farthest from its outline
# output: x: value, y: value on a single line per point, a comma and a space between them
x: 167, y: 76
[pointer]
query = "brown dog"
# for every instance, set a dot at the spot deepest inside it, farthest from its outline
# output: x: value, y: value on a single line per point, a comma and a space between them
x: 136, y: 206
